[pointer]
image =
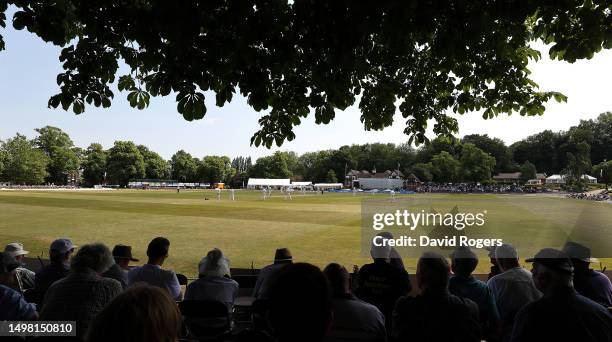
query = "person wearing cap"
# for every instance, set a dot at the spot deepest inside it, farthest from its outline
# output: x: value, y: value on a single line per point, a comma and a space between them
x: 58, y: 267
x: 214, y: 281
x: 24, y: 277
x: 561, y: 314
x: 13, y: 306
x: 513, y: 288
x: 282, y: 257
x: 119, y: 270
x: 588, y: 282
x: 151, y: 273
x: 380, y: 283
x: 493, y: 269
x: 83, y: 293
x: 435, y: 314
x: 463, y: 284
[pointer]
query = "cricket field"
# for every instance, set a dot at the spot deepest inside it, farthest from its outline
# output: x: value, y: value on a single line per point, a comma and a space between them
x: 317, y: 228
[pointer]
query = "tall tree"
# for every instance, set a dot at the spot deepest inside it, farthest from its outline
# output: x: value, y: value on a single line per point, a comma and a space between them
x: 331, y: 177
x: 291, y: 58
x: 215, y: 169
x: 94, y: 165
x: 423, y: 171
x: 445, y: 167
x: 603, y: 172
x: 476, y: 165
x: 184, y: 167
x: 63, y: 156
x: 156, y: 167
x: 527, y: 171
x: 124, y: 163
x: 23, y: 162
x: 578, y: 164
x: 274, y: 166
x: 493, y: 146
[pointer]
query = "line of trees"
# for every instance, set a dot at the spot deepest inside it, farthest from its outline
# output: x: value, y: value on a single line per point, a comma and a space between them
x: 52, y: 157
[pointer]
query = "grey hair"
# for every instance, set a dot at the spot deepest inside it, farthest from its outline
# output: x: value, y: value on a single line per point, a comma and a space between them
x: 95, y: 256
x: 214, y: 264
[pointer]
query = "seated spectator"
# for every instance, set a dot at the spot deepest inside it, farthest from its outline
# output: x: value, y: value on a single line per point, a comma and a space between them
x: 435, y: 314
x: 282, y: 257
x: 151, y: 273
x: 24, y: 277
x: 561, y: 314
x: 353, y: 318
x: 512, y: 289
x: 493, y: 269
x: 141, y: 314
x: 395, y: 258
x: 381, y: 283
x: 59, y: 266
x: 82, y: 294
x: 594, y: 285
x: 13, y: 306
x: 299, y: 305
x: 463, y: 284
x: 119, y: 270
x: 213, y: 282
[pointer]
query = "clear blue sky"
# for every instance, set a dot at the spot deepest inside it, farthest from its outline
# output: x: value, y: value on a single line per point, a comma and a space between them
x: 28, y: 68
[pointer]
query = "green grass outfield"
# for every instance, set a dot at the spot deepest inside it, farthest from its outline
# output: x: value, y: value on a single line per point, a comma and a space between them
x: 317, y: 228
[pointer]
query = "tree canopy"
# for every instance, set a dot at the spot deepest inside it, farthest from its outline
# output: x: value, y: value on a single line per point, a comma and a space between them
x: 293, y: 58
x: 23, y: 162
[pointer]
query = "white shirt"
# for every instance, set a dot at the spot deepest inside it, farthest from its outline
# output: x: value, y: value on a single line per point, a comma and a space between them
x: 156, y: 276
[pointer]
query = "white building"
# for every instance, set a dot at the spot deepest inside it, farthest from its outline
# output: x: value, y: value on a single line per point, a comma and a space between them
x: 560, y: 179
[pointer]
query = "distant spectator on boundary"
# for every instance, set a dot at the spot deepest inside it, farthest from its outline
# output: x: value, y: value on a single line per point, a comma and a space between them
x: 513, y: 288
x: 213, y: 282
x: 58, y: 267
x: 463, y: 284
x: 13, y: 306
x: 381, y: 283
x: 353, y: 318
x: 82, y: 294
x: 435, y: 314
x: 143, y: 313
x: 25, y: 277
x: 119, y: 270
x: 299, y: 304
x: 592, y: 284
x: 562, y: 314
x: 151, y: 273
x: 282, y: 257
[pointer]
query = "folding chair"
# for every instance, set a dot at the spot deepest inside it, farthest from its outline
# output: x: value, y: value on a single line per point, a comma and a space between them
x: 206, y: 320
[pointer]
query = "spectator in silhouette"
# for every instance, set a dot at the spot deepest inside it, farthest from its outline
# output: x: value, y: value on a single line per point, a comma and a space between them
x: 143, y: 313
x: 82, y: 294
x: 151, y: 273
x: 561, y: 314
x: 58, y: 267
x: 463, y: 284
x: 381, y: 283
x: 395, y: 258
x: 435, y: 314
x: 13, y: 306
x: 213, y: 282
x: 592, y: 284
x: 494, y: 269
x: 282, y: 257
x: 24, y: 277
x: 513, y: 288
x: 299, y: 304
x: 119, y: 270
x: 353, y: 318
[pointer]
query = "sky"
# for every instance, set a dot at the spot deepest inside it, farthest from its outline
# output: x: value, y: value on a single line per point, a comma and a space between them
x: 29, y: 66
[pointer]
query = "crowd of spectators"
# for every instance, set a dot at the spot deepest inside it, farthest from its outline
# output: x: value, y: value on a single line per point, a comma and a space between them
x: 561, y: 300
x: 602, y: 196
x: 475, y: 188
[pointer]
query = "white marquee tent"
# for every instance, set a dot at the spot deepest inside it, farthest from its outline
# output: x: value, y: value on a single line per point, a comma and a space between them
x: 268, y: 182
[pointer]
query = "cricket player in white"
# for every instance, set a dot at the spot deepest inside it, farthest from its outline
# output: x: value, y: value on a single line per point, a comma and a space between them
x: 218, y: 191
x: 232, y: 195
